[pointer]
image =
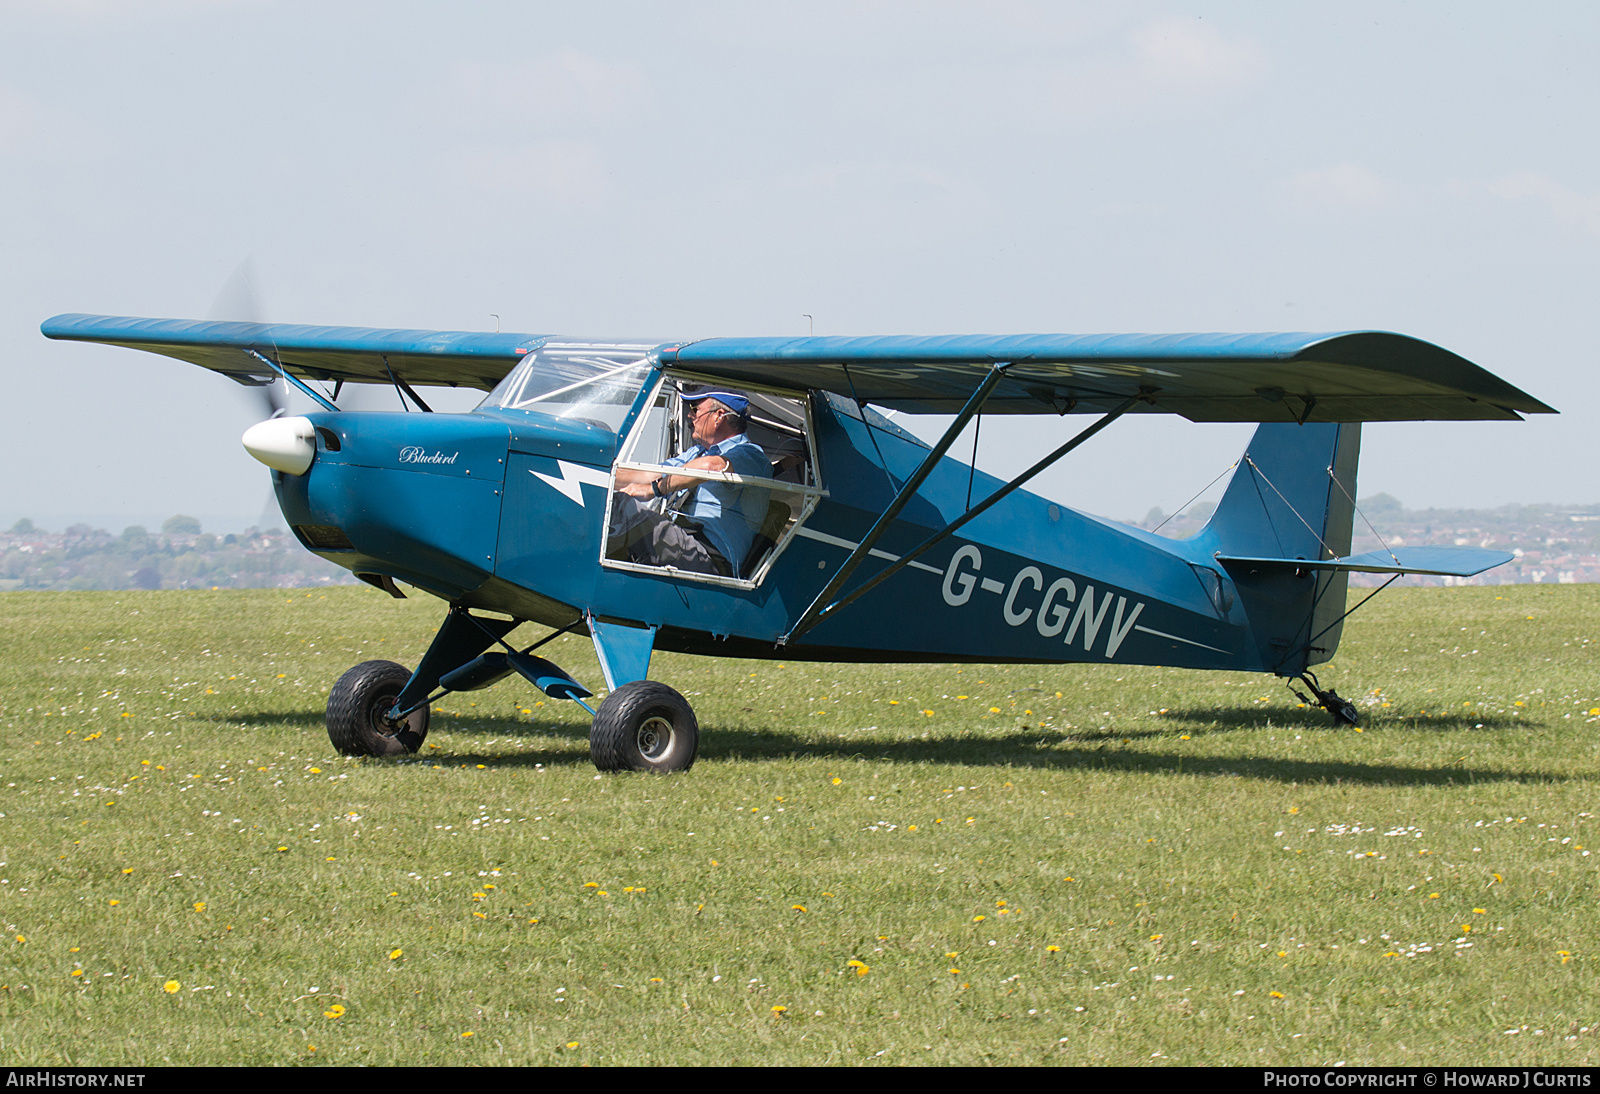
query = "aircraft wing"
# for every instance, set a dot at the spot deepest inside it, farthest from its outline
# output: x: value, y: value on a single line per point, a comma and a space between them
x: 1353, y: 376
x: 352, y: 354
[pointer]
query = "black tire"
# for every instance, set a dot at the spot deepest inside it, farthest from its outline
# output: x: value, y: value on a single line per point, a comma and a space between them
x: 356, y: 708
x: 644, y: 726
x: 1343, y: 710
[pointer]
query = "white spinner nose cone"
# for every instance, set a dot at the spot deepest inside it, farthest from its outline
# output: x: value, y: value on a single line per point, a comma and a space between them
x: 283, y: 444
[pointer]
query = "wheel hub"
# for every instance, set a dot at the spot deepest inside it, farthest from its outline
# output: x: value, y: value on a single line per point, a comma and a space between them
x: 654, y: 736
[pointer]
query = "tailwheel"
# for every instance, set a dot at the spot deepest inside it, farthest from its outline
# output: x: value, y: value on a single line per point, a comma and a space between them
x: 358, y: 712
x: 644, y: 726
x: 1342, y: 709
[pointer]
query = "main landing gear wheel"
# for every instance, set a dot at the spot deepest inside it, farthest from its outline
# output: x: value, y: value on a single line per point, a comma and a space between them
x: 358, y: 707
x: 644, y: 726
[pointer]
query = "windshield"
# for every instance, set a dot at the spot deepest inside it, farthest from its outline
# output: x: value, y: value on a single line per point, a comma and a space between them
x: 595, y: 382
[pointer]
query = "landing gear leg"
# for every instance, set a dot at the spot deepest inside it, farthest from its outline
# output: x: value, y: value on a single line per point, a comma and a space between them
x: 1343, y: 710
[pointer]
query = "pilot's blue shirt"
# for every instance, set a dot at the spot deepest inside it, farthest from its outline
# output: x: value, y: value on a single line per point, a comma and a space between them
x: 730, y: 514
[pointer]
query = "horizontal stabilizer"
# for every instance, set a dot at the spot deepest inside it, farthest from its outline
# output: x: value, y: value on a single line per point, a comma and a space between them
x: 1436, y: 561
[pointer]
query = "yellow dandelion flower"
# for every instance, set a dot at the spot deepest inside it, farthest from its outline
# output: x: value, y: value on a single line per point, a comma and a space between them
x: 655, y: 980
x: 979, y: 918
x: 797, y: 907
x: 837, y: 781
x: 172, y: 987
x: 861, y: 967
x: 596, y: 884
x: 778, y: 1010
x: 316, y: 770
x: 335, y: 1011
x: 127, y: 869
x: 114, y: 903
x: 199, y: 905
x: 952, y: 955
x: 468, y: 1033
x: 1052, y: 949
x: 77, y: 972
x: 572, y: 1044
x: 1276, y: 994
x: 955, y: 972
x: 395, y: 955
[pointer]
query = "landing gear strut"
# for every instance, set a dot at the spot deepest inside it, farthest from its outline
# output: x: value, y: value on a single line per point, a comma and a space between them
x: 1343, y: 710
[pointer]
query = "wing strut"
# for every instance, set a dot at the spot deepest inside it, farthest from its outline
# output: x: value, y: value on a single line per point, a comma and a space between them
x: 295, y: 380
x: 813, y: 612
x: 971, y: 514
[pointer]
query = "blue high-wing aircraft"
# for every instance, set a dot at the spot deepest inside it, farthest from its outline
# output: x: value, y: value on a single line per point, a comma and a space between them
x: 864, y: 543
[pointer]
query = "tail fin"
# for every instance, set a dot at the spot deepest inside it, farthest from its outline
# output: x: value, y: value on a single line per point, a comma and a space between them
x: 1292, y: 496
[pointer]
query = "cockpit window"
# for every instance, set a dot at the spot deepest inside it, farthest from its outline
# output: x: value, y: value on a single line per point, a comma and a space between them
x: 591, y: 382
x: 723, y: 525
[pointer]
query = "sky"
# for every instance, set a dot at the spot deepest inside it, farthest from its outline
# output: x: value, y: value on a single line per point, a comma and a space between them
x: 693, y: 169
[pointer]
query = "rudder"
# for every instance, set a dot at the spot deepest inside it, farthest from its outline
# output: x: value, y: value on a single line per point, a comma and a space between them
x: 1291, y: 496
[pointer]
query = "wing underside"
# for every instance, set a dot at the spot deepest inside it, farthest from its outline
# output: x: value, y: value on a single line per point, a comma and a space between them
x: 355, y: 355
x: 1358, y: 376
x: 1361, y: 376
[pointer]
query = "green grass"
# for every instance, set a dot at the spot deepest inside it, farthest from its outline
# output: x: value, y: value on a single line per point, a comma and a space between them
x: 1226, y: 877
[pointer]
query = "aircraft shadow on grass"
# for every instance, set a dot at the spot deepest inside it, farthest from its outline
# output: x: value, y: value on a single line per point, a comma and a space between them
x: 1212, y: 720
x: 1025, y: 748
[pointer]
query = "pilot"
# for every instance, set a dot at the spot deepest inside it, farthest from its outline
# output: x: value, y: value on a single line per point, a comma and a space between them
x: 714, y: 522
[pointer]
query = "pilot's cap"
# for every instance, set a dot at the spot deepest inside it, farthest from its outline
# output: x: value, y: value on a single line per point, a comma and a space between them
x: 733, y: 400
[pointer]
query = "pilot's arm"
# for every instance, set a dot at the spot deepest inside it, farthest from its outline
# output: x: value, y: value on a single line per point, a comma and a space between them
x: 650, y: 484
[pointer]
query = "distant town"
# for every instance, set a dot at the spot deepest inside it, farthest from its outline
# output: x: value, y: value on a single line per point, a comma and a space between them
x: 178, y: 555
x: 1552, y: 544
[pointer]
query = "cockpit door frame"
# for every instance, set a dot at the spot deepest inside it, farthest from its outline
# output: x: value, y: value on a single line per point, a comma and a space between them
x: 635, y: 426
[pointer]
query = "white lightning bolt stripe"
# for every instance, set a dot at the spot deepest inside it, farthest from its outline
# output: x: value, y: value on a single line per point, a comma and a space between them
x: 835, y: 541
x: 1175, y: 638
x: 573, y: 476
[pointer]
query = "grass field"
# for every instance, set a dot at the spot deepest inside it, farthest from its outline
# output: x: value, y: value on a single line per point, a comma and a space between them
x: 868, y: 864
